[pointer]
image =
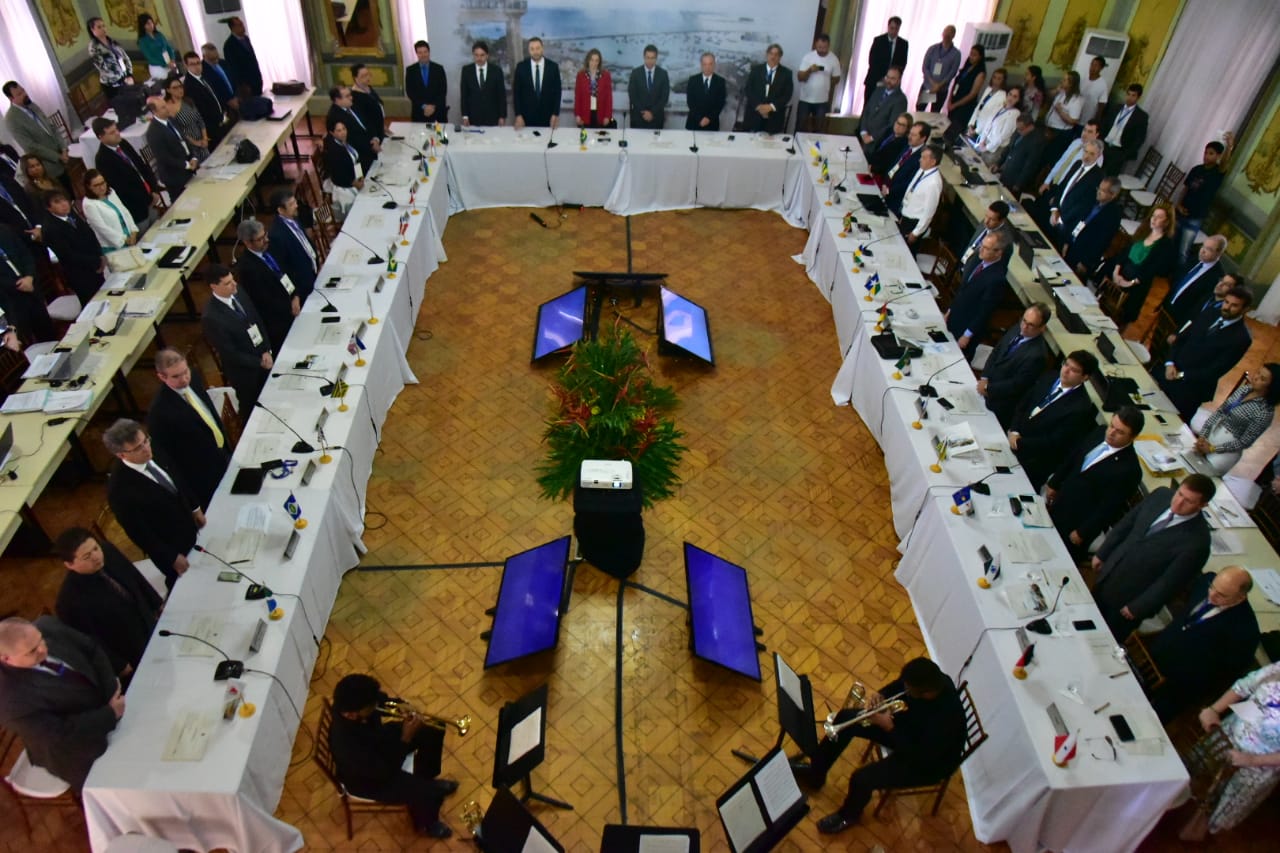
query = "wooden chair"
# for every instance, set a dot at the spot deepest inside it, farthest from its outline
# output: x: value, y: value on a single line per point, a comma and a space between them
x: 317, y: 160
x: 1169, y: 183
x: 325, y: 230
x: 1209, y: 766
x: 1158, y: 340
x: 31, y: 786
x: 323, y: 758
x: 1148, y: 673
x: 974, y: 736
x: 1111, y: 298
x: 1266, y: 514
x: 939, y: 266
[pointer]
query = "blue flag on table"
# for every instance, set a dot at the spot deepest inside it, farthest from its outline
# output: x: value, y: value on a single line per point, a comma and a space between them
x: 291, y: 506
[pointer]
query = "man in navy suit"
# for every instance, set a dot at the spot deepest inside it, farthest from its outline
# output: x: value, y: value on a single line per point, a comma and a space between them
x: 888, y: 50
x: 199, y: 88
x: 648, y: 90
x: 1187, y: 293
x: 237, y: 334
x: 983, y: 282
x: 241, y: 59
x: 904, y: 169
x: 218, y: 77
x: 185, y: 426
x: 1203, y: 351
x: 535, y: 89
x: 706, y: 93
x: 1053, y: 414
x: 883, y: 154
x: 1070, y: 200
x: 1091, y: 488
x: 426, y: 86
x: 1015, y: 363
x: 1021, y: 159
x: 1090, y: 236
x: 290, y: 245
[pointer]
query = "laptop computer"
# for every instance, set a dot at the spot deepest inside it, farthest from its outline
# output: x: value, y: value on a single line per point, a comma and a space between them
x: 1107, y: 348
x: 69, y: 363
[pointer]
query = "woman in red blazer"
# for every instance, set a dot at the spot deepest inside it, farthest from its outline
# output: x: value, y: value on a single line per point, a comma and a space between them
x: 593, y: 93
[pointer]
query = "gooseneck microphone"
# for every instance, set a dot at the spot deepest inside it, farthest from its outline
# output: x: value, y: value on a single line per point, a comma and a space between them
x: 694, y: 146
x: 927, y: 389
x: 417, y: 155
x: 391, y: 204
x: 376, y: 259
x: 870, y: 254
x: 622, y: 143
x: 329, y: 307
x: 255, y: 592
x: 1041, y: 625
x: 551, y: 141
x: 226, y: 668
x: 301, y: 445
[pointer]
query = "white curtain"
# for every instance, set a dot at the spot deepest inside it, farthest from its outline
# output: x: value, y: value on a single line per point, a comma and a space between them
x: 922, y: 23
x: 279, y: 39
x: 1213, y: 68
x: 193, y: 11
x: 24, y: 58
x: 412, y: 18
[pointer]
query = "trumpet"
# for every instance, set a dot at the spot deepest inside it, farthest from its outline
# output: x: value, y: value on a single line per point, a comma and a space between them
x: 857, y: 699
x: 399, y: 709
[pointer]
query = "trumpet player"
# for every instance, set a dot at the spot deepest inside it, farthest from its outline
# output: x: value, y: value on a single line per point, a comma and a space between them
x: 925, y: 740
x: 369, y: 752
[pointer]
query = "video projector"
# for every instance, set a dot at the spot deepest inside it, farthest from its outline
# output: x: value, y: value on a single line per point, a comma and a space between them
x: 605, y: 474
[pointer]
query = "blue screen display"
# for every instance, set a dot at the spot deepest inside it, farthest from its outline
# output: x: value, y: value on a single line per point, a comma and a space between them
x: 684, y: 324
x: 527, y: 617
x: 560, y: 322
x: 720, y: 610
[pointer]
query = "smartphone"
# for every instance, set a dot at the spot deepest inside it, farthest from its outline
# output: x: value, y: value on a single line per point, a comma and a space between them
x: 1160, y: 419
x: 938, y: 337
x: 1121, y: 725
x: 1083, y: 625
x: 914, y: 285
x: 945, y: 403
x: 229, y: 577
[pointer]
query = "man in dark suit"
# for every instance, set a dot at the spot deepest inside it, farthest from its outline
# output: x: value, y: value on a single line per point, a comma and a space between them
x: 535, y: 89
x: 19, y: 212
x: 1091, y: 488
x: 983, y: 282
x: 996, y: 219
x: 426, y: 86
x: 924, y: 741
x: 58, y: 694
x: 1152, y: 554
x: 366, y: 140
x: 768, y: 92
x: 885, y: 151
x: 1015, y: 363
x: 175, y: 161
x: 706, y: 93
x: 218, y: 77
x: 9, y: 161
x: 483, y: 92
x: 290, y: 245
x: 887, y: 51
x: 126, y: 172
x: 648, y: 91
x: 367, y: 103
x: 201, y: 92
x: 76, y: 245
x: 266, y: 284
x: 235, y: 330
x: 20, y: 298
x: 1054, y: 413
x: 1203, y: 351
x: 106, y: 597
x: 1190, y: 289
x: 241, y: 59
x: 903, y: 170
x: 1208, y: 646
x: 368, y: 754
x: 1070, y: 200
x: 185, y: 426
x: 1090, y: 236
x: 1021, y: 159
x: 1124, y: 129
x: 886, y: 103
x: 150, y: 500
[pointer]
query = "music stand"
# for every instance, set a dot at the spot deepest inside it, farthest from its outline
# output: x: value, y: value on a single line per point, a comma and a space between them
x: 508, y: 827
x: 763, y: 806
x: 619, y: 838
x: 522, y: 737
x: 795, y: 711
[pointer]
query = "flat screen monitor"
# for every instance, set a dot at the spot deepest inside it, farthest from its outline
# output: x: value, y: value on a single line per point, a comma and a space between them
x: 720, y: 612
x: 684, y: 326
x: 526, y: 619
x: 560, y: 323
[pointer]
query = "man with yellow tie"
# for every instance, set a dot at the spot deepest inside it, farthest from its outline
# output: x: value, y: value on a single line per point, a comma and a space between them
x: 184, y: 423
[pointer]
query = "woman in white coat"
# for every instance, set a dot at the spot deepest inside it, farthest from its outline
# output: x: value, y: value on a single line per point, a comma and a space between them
x: 107, y: 214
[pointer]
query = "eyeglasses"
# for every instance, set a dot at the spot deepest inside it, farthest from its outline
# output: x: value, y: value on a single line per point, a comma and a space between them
x: 1105, y: 744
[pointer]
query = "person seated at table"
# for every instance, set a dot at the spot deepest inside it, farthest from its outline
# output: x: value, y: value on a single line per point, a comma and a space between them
x: 924, y: 741
x: 235, y: 330
x: 362, y: 138
x: 1208, y: 645
x: 35, y: 178
x: 106, y: 597
x: 58, y: 694
x: 886, y: 102
x: 72, y: 239
x: 885, y: 152
x: 20, y: 298
x: 1152, y: 554
x: 1256, y: 738
x: 268, y: 286
x: 152, y: 502
x: 1224, y: 434
x: 1054, y: 413
x: 1088, y: 237
x: 1018, y: 165
x: 920, y: 202
x: 1150, y: 256
x: 706, y: 92
x: 1090, y: 490
x: 369, y: 752
x: 107, y: 215
x: 342, y: 162
x: 904, y: 169
x: 1015, y: 362
x: 983, y: 283
x: 1203, y: 351
x: 290, y: 244
x: 995, y: 219
x: 185, y: 426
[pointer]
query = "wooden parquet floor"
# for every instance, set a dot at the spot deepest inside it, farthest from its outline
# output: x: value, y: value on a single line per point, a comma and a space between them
x: 776, y: 479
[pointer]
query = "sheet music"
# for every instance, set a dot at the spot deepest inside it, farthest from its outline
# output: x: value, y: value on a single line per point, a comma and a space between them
x: 790, y: 683
x: 664, y: 844
x: 742, y: 818
x: 777, y: 786
x: 525, y: 735
x: 537, y: 843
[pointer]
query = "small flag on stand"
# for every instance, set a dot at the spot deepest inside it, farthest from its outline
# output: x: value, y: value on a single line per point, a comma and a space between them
x: 292, y: 507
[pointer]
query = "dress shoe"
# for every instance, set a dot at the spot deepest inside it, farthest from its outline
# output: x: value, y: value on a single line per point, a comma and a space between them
x: 439, y: 829
x: 833, y: 823
x: 445, y: 786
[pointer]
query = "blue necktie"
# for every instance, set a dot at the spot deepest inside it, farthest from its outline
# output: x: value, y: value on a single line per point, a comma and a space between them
x: 1186, y: 280
x: 1094, y: 455
x: 271, y: 262
x: 1051, y: 396
x: 352, y: 113
x: 1196, y: 615
x: 769, y: 75
x: 426, y: 72
x: 1017, y: 342
x: 4, y: 194
x: 239, y: 309
x: 224, y: 77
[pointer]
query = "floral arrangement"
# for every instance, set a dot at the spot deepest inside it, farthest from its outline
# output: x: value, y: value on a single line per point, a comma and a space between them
x: 607, y: 406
